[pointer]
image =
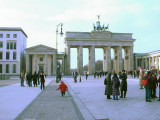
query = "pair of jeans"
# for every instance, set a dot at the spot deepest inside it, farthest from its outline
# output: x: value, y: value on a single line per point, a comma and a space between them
x: 63, y: 93
x: 115, y: 97
x: 148, y: 93
x: 42, y: 85
x: 22, y: 82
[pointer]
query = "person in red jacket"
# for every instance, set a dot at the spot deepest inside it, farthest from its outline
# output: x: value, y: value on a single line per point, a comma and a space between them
x: 63, y: 88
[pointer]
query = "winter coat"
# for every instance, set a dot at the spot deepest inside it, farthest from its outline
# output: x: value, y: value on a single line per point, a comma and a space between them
x: 123, y: 86
x: 108, y: 83
x: 42, y: 76
x: 115, y: 86
x: 63, y: 87
x: 150, y: 79
x: 154, y: 82
x: 140, y: 80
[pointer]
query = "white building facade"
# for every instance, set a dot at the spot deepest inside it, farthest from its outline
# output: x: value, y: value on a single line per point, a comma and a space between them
x: 13, y: 41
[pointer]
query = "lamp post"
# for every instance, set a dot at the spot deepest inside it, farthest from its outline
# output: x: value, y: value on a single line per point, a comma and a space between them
x: 61, y: 33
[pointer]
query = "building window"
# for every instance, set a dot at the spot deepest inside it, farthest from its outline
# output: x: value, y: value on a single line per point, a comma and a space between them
x: 1, y: 44
x: 41, y: 58
x: 1, y: 35
x: 11, y: 45
x: 8, y: 36
x: 14, y: 35
x: 1, y: 55
x: 7, y: 68
x: 7, y: 45
x: 126, y: 51
x: 115, y: 58
x: 126, y: 58
x: 15, y: 45
x: 14, y: 55
x: 0, y: 68
x: 14, y: 68
x: 7, y: 55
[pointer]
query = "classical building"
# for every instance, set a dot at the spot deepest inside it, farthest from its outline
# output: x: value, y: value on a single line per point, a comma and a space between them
x: 147, y: 61
x: 101, y: 37
x: 43, y: 58
x: 13, y: 41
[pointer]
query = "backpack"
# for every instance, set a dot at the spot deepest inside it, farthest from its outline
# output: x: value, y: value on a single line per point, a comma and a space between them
x: 145, y: 80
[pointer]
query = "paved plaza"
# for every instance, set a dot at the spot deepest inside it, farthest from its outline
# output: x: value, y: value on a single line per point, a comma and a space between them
x: 85, y: 100
x: 91, y: 95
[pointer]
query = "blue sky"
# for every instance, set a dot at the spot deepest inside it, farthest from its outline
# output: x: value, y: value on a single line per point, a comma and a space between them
x: 38, y: 18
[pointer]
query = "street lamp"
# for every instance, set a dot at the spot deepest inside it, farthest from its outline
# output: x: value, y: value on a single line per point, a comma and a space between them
x: 61, y: 34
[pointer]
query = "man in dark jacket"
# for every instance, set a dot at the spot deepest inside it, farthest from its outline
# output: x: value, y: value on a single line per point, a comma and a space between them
x: 123, y: 86
x: 42, y: 76
x: 29, y: 79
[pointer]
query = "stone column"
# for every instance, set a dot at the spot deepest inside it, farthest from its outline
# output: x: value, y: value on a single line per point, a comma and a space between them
x: 118, y: 63
x: 91, y: 66
x: 27, y: 63
x: 156, y: 62
x: 35, y: 63
x: 142, y: 63
x: 68, y: 72
x: 54, y: 63
x: 46, y: 64
x: 80, y: 60
x: 149, y: 63
x: 131, y: 59
x: 107, y: 59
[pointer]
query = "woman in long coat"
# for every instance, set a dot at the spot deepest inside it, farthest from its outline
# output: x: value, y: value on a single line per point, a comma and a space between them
x: 123, y: 86
x: 140, y: 79
x: 108, y: 83
x: 115, y: 86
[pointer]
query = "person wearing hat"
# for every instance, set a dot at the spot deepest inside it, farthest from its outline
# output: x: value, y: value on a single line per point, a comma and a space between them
x: 63, y: 88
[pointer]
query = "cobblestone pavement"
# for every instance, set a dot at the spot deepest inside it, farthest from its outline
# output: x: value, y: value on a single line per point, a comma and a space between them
x: 90, y: 94
x: 50, y: 105
x: 9, y: 82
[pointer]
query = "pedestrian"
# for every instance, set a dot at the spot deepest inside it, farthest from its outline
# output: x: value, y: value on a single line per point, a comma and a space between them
x: 79, y: 77
x: 123, y: 85
x: 38, y: 77
x: 95, y: 73
x: 140, y: 79
x: 75, y: 77
x: 42, y: 76
x: 29, y: 79
x: 159, y: 88
x: 22, y: 76
x: 108, y: 88
x: 148, y: 86
x: 35, y: 77
x: 63, y: 88
x: 115, y: 86
x: 154, y: 86
x: 86, y: 75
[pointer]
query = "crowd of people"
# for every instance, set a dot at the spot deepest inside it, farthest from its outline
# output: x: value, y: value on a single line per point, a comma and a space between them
x: 116, y: 84
x: 33, y: 79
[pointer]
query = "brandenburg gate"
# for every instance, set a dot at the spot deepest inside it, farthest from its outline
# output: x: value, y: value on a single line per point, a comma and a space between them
x: 101, y: 37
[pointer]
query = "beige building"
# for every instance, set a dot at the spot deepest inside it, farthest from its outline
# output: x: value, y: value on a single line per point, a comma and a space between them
x: 42, y: 58
x: 147, y: 61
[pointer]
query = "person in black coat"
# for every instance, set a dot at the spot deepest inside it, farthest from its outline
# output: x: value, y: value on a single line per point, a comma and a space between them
x: 35, y: 77
x: 108, y: 88
x: 123, y: 86
x: 29, y: 79
x: 42, y: 76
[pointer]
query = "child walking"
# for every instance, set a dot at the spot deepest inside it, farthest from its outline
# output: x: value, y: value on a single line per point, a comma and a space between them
x: 63, y: 88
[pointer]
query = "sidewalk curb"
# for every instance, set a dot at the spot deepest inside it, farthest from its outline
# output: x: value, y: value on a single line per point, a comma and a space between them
x: 79, y: 105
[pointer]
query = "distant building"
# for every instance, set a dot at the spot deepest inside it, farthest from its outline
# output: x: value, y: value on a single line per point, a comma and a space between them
x: 148, y: 61
x: 13, y: 41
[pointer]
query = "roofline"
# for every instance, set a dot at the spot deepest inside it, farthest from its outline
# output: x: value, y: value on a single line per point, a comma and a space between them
x: 13, y: 29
